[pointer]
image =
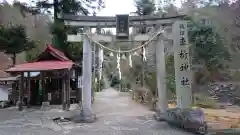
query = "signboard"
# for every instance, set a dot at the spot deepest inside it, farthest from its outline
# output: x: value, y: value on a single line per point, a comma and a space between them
x: 49, y: 96
x: 122, y: 28
x: 182, y: 65
x: 4, y: 93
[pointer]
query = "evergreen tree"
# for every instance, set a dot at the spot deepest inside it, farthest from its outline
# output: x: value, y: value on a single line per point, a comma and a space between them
x: 144, y: 7
x: 59, y: 31
x: 13, y: 40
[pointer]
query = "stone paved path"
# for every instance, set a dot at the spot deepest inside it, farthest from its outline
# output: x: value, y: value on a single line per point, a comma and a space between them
x: 116, y: 113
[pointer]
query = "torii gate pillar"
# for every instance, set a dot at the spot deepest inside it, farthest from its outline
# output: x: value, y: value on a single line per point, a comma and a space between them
x: 162, y: 104
x: 86, y: 113
x: 182, y: 65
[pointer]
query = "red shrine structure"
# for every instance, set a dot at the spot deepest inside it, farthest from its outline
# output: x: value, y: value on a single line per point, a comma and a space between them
x: 51, y: 77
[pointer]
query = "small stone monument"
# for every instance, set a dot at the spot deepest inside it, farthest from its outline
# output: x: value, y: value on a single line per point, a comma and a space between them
x: 45, y: 106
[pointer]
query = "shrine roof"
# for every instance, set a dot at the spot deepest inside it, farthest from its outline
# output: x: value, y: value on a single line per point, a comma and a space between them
x: 41, y: 66
x: 54, y: 52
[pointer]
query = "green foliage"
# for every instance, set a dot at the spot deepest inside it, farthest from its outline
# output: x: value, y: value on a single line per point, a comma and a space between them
x: 170, y: 74
x: 205, y: 102
x: 151, y: 80
x: 144, y: 7
x: 94, y: 85
x: 208, y: 47
x: 13, y: 40
x: 98, y: 85
x: 169, y: 61
x: 31, y: 54
x: 75, y: 50
x: 114, y: 81
x: 137, y: 68
x: 102, y: 84
x: 58, y: 29
x: 125, y: 84
x: 72, y: 6
x: 171, y: 84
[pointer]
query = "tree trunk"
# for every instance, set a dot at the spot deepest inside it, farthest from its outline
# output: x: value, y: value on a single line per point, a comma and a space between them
x: 195, y: 82
x: 14, y: 59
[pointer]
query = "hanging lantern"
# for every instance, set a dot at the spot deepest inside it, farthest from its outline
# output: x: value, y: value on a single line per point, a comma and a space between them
x: 130, y: 60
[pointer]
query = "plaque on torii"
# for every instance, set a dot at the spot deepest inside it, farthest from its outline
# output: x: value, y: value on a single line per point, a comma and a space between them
x: 122, y: 27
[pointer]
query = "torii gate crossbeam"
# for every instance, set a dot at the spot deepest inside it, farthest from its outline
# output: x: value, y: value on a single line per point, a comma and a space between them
x: 109, y: 22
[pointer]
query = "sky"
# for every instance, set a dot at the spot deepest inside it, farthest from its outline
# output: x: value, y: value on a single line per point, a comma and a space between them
x: 113, y: 7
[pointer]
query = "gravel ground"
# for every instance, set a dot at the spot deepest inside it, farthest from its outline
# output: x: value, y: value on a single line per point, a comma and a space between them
x: 117, y: 115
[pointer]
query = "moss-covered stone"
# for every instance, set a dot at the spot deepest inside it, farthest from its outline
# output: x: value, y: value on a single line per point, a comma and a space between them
x: 190, y: 119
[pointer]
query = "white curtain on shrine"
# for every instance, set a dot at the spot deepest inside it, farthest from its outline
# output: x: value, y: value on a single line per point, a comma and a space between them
x: 32, y: 74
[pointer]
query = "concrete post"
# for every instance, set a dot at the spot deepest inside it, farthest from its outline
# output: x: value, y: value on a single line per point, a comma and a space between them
x: 94, y: 61
x: 86, y: 113
x: 21, y: 92
x: 87, y: 76
x: 94, y: 69
x: 98, y: 61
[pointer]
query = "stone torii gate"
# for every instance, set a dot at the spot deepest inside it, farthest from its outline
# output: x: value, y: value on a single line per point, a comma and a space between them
x: 122, y: 23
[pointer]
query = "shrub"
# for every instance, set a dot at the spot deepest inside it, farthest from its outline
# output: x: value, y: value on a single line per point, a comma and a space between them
x: 125, y: 84
x: 151, y: 82
x: 205, y: 102
x: 115, y: 81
